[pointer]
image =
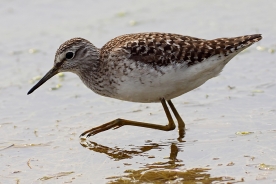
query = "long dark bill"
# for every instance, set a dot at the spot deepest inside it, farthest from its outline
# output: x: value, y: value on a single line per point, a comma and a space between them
x: 48, y: 75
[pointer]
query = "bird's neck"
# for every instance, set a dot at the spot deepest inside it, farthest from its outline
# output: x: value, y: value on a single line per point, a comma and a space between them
x: 91, y: 72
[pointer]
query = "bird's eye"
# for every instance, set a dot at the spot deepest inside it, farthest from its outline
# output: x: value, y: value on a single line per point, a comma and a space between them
x: 69, y: 55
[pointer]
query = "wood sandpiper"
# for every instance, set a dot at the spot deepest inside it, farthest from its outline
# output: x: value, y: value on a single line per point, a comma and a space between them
x: 146, y: 68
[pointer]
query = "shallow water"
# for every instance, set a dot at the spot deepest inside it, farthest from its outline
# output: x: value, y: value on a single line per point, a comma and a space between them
x: 230, y: 120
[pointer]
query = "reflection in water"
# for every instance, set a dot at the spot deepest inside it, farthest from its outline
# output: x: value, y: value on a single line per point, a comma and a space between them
x: 159, y: 172
x: 118, y: 153
x: 147, y: 175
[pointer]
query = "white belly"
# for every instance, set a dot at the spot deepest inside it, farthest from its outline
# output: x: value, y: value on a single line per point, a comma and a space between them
x: 146, y: 84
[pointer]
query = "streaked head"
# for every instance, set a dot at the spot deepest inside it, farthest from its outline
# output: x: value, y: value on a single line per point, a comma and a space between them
x: 70, y: 57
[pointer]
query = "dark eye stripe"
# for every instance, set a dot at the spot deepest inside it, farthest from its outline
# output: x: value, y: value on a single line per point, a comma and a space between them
x: 68, y: 58
x: 60, y: 63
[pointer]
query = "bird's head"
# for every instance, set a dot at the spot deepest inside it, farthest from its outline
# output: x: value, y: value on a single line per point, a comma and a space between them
x: 71, y: 56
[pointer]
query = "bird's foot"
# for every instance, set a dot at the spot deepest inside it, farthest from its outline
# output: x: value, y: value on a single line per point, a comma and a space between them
x: 93, y: 131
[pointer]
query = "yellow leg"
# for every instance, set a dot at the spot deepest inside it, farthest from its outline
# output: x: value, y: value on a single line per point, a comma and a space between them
x: 121, y: 122
x: 181, y: 124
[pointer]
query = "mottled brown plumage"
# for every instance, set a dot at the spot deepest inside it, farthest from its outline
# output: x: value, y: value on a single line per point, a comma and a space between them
x: 163, y: 49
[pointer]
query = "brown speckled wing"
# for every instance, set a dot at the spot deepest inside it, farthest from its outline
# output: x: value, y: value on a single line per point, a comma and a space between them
x: 163, y: 49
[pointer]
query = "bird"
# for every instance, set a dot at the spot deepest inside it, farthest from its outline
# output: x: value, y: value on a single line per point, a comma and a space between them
x: 148, y: 67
